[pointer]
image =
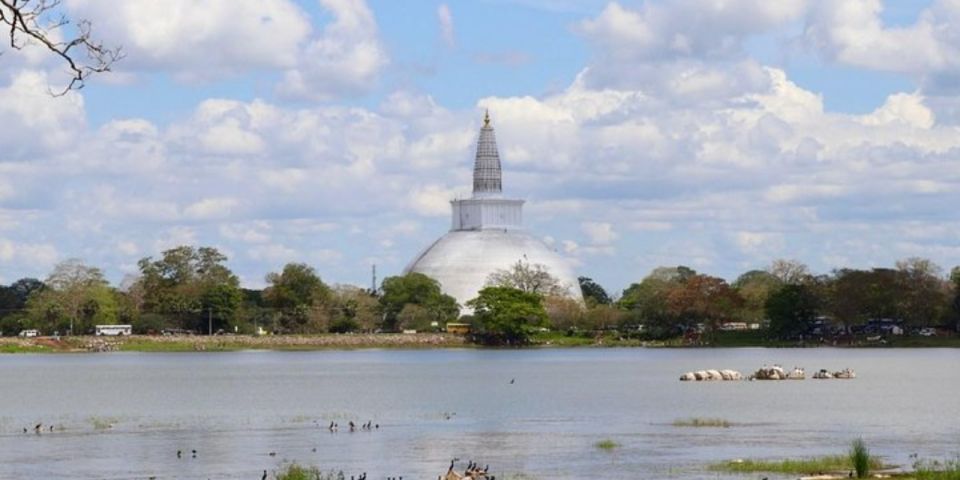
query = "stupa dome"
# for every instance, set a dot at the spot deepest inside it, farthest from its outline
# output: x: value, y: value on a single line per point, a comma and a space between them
x: 487, y: 235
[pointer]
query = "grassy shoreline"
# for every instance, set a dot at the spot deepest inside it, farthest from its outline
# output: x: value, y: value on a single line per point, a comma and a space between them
x: 227, y: 343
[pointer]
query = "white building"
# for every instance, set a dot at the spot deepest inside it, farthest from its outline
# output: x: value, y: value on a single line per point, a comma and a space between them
x: 486, y: 235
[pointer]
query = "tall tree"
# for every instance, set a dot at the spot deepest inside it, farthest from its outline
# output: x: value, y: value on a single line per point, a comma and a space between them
x: 755, y: 287
x: 790, y: 272
x: 77, y: 296
x: 182, y: 283
x: 923, y: 292
x: 792, y: 310
x: 702, y: 298
x: 297, y: 294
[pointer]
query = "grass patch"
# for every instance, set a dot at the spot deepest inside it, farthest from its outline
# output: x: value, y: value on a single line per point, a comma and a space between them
x: 14, y: 348
x: 803, y: 466
x: 606, y: 444
x: 702, y: 422
x: 294, y: 471
x: 937, y: 470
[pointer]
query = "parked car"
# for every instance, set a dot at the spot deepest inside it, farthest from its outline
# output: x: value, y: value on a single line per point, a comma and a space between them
x: 927, y: 332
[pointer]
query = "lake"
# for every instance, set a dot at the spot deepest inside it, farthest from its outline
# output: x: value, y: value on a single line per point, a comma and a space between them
x: 125, y: 415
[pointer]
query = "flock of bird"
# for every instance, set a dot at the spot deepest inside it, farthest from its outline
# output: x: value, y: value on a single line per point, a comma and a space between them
x: 471, y: 472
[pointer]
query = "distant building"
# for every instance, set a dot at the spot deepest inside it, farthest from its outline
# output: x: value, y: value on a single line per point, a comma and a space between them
x: 486, y: 235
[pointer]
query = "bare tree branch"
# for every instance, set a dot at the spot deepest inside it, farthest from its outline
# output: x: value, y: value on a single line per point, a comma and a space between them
x: 25, y: 18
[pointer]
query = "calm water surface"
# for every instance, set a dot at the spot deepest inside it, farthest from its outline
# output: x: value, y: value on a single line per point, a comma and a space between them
x: 124, y: 415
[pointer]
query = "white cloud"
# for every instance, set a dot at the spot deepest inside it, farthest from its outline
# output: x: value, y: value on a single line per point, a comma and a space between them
x: 432, y: 200
x: 211, y: 208
x: 39, y: 254
x: 35, y: 122
x: 445, y: 19
x: 347, y: 58
x: 852, y: 32
x: 199, y: 40
x: 600, y: 233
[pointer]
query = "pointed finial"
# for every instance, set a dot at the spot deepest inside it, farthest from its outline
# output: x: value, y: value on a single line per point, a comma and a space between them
x: 486, y: 118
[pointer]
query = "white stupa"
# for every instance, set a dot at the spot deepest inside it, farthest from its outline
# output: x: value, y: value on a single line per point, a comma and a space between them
x: 486, y: 235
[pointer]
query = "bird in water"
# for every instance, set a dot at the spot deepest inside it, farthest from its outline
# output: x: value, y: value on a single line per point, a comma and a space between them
x: 264, y: 477
x: 179, y: 453
x: 512, y: 380
x: 194, y: 453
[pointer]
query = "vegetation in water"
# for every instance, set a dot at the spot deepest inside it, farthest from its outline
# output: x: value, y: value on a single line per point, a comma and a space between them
x: 607, y: 444
x: 702, y: 422
x: 802, y: 466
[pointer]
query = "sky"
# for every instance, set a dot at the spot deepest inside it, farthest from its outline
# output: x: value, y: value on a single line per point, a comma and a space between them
x: 717, y: 134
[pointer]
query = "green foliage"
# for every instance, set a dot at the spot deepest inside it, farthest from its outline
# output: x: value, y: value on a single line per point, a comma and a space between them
x: 187, y: 284
x: 76, y: 298
x: 297, y: 472
x: 506, y: 316
x: 593, y: 292
x: 607, y: 444
x: 802, y: 466
x: 792, y: 310
x: 417, y: 289
x: 860, y: 458
x: 755, y: 287
x: 937, y: 470
x: 298, y: 284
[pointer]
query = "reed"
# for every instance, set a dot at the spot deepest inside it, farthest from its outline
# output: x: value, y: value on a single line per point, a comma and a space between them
x: 860, y: 458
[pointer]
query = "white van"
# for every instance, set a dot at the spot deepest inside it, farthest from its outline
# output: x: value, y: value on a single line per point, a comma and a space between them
x: 29, y: 333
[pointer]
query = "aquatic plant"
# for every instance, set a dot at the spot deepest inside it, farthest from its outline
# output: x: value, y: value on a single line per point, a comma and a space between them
x: 606, y: 444
x: 860, y: 458
x: 295, y: 471
x: 702, y: 422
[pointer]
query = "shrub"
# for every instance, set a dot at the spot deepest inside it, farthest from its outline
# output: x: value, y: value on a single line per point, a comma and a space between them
x: 860, y: 458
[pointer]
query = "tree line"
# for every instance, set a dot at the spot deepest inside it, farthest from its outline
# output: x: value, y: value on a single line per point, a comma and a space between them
x: 192, y: 289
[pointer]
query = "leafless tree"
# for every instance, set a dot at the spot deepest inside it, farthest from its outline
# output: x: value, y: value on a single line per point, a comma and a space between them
x: 531, y: 278
x: 35, y: 21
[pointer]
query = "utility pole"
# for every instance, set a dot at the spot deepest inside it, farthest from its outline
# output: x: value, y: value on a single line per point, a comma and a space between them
x: 373, y: 284
x: 209, y: 321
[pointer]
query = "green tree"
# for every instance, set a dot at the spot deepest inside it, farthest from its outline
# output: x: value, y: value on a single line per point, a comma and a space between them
x: 298, y: 296
x: 792, y: 310
x: 754, y: 287
x: 593, y: 292
x: 13, y: 302
x: 703, y: 299
x: 923, y: 294
x: 76, y: 298
x: 183, y: 283
x: 354, y: 308
x: 506, y: 316
x: 646, y: 303
x: 417, y: 289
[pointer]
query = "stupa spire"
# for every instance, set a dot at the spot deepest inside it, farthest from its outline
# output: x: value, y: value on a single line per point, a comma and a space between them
x: 486, y: 167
